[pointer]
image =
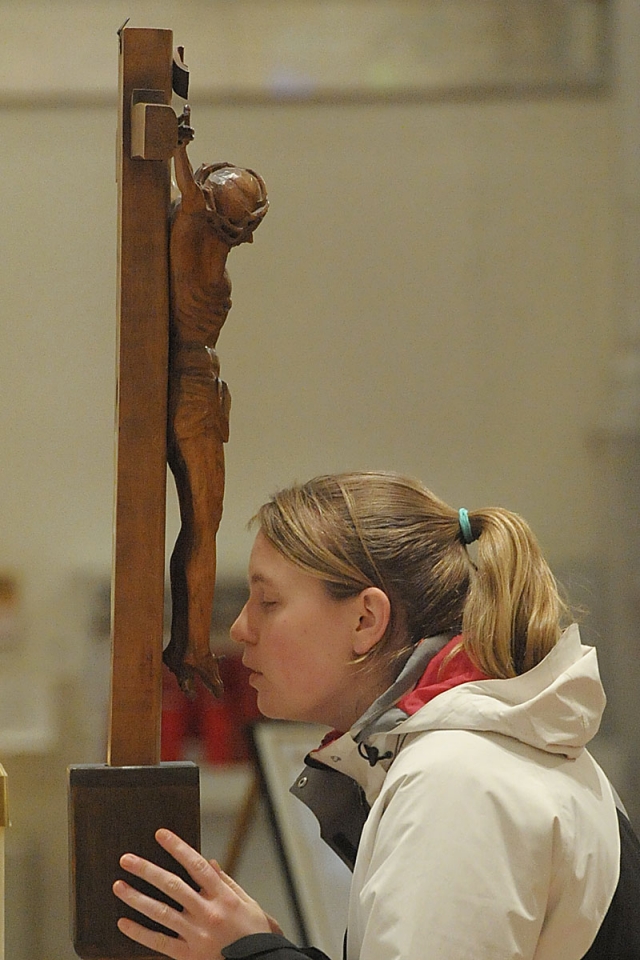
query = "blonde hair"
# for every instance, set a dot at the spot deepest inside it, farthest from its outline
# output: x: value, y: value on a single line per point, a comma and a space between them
x: 356, y: 530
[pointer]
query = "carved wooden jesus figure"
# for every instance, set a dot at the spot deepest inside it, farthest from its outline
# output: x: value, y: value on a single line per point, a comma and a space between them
x: 220, y: 207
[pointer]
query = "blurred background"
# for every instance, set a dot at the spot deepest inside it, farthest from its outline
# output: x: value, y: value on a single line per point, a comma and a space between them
x: 447, y: 284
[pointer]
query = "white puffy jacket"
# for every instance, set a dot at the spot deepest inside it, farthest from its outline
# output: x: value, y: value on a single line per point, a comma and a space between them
x: 492, y: 833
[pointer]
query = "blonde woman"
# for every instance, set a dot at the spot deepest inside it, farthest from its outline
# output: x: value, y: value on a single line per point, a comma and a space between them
x: 457, y: 784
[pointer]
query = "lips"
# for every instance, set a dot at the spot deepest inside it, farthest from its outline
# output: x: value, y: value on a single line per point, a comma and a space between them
x: 252, y: 670
x: 254, y: 680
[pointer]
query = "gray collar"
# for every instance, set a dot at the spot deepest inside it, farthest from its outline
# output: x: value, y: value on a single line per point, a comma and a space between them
x: 380, y: 716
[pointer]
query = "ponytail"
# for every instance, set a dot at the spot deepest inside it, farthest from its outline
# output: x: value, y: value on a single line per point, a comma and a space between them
x: 513, y: 610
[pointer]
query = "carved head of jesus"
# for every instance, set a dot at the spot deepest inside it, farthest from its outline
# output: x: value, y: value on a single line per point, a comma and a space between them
x: 236, y: 200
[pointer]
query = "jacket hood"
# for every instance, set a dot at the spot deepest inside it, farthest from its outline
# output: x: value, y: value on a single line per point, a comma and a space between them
x: 556, y: 707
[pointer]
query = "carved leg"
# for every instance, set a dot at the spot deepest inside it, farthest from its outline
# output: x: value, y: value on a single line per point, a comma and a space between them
x: 198, y: 467
x: 175, y: 651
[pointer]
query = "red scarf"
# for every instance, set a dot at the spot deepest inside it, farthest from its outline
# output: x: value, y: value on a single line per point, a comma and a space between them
x: 438, y: 678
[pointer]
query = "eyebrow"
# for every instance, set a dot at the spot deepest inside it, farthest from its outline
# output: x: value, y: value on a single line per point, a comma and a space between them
x: 259, y: 578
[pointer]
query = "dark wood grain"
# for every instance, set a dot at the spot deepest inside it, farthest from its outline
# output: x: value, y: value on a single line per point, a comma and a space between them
x: 116, y: 810
x: 146, y: 62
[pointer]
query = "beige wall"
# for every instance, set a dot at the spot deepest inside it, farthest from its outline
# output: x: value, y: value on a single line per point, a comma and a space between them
x: 433, y: 291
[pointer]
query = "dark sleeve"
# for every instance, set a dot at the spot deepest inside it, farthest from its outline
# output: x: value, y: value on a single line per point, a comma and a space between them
x: 271, y: 946
x: 619, y: 935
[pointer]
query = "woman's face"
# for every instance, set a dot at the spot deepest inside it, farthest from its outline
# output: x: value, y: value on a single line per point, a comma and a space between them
x: 299, y: 644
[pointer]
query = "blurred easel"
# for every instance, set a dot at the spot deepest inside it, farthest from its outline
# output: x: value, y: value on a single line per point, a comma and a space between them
x: 243, y: 822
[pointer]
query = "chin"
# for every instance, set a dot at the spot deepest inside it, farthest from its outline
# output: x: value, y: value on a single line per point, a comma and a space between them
x: 271, y: 710
x: 278, y: 711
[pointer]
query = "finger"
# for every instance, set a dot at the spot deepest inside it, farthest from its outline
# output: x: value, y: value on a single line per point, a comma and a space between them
x: 153, y: 909
x: 243, y: 895
x: 230, y: 882
x: 170, y: 884
x: 154, y: 941
x: 200, y: 870
x: 274, y: 925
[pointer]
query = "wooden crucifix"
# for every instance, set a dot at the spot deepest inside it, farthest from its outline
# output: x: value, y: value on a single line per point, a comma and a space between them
x: 174, y: 295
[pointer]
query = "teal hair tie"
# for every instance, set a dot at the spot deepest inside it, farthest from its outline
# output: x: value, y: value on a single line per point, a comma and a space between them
x: 465, y: 526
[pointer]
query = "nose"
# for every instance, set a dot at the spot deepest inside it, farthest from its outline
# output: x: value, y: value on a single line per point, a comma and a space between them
x: 239, y: 631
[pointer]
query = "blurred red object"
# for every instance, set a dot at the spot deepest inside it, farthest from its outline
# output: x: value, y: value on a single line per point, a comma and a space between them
x: 175, y: 718
x: 224, y: 722
x: 219, y: 731
x: 219, y: 725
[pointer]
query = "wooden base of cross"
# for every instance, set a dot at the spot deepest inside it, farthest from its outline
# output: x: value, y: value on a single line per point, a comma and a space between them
x: 116, y: 807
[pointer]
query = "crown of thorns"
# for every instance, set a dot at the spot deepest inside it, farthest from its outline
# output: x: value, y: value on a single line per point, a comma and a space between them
x: 232, y: 232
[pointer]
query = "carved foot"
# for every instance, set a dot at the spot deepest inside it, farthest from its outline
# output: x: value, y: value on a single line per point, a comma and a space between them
x: 189, y: 668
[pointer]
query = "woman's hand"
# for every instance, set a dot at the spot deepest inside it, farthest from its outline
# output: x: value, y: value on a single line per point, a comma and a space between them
x: 212, y: 918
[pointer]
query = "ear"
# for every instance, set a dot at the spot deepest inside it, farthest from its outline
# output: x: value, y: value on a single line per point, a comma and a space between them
x: 374, y: 615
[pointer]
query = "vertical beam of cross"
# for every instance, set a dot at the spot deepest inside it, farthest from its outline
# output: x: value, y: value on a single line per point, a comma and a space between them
x: 141, y: 411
